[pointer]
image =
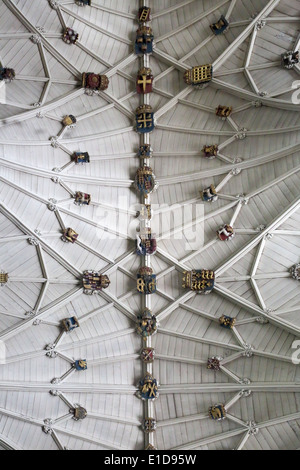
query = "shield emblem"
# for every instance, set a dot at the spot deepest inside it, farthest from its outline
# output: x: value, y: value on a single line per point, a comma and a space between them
x: 219, y: 27
x: 148, y: 388
x: 144, y: 40
x: 145, y: 212
x: 145, y: 181
x: 81, y: 157
x: 146, y: 325
x: 82, y: 199
x: 289, y: 59
x: 210, y: 151
x: 149, y: 425
x: 80, y: 365
x: 79, y: 413
x: 146, y: 243
x: 227, y: 322
x: 199, y: 75
x: 144, y: 119
x: 70, y: 235
x: 209, y: 194
x: 95, y: 82
x: 145, y: 151
x: 146, y: 281
x: 144, y: 14
x: 70, y: 36
x: 214, y: 363
x: 69, y: 121
x: 7, y: 74
x: 3, y: 278
x: 223, y: 111
x: 225, y: 233
x: 217, y: 412
x: 147, y: 355
x: 144, y: 81
x: 296, y: 272
x: 201, y: 281
x: 69, y: 324
x: 94, y: 282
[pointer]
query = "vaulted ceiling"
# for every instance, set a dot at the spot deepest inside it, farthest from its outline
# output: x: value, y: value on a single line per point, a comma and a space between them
x: 257, y: 177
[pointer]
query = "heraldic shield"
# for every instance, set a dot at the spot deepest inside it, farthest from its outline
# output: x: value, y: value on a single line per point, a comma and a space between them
x: 94, y: 282
x: 82, y: 3
x: 146, y: 281
x: 145, y: 212
x: 296, y: 272
x: 227, y: 322
x: 144, y: 40
x: 214, y: 363
x: 70, y: 36
x: 69, y: 235
x: 7, y: 74
x: 209, y: 194
x: 144, y: 81
x: 145, y: 181
x: 149, y: 425
x: 220, y: 27
x: 217, y: 412
x: 147, y: 388
x: 289, y: 59
x: 146, y: 244
x: 144, y: 14
x: 148, y: 355
x: 80, y: 365
x: 3, y: 278
x: 199, y: 75
x: 201, y: 280
x: 146, y: 324
x: 80, y: 157
x: 145, y: 151
x: 70, y: 324
x: 69, y: 121
x: 79, y: 413
x: 225, y: 233
x: 210, y: 151
x: 82, y: 199
x: 144, y: 119
x: 94, y: 81
x: 224, y: 111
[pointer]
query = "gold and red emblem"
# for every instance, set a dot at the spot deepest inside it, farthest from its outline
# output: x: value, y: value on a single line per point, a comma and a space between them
x: 144, y: 81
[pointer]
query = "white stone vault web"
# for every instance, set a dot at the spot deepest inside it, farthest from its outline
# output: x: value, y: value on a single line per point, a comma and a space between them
x: 256, y: 174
